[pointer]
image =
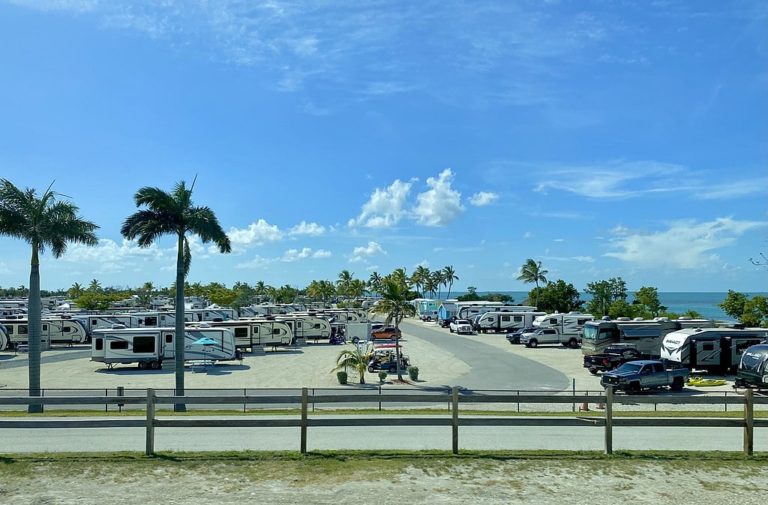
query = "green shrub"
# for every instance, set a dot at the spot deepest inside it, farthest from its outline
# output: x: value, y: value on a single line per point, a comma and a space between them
x: 342, y: 376
x: 382, y: 376
x: 413, y: 373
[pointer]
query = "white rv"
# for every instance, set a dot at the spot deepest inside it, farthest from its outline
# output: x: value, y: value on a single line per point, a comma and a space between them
x: 307, y: 327
x: 5, y: 342
x: 210, y: 314
x: 105, y: 321
x: 156, y: 319
x: 505, y: 321
x: 645, y: 334
x: 53, y: 330
x: 149, y: 347
x: 252, y: 333
x: 468, y: 310
x: 567, y: 325
x: 713, y: 349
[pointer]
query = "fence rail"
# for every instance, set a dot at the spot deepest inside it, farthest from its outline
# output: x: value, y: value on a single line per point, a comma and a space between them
x: 455, y: 399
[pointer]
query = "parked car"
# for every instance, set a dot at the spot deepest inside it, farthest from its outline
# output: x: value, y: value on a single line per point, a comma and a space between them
x: 445, y: 323
x: 385, y: 360
x: 539, y: 336
x: 635, y: 376
x: 429, y: 316
x: 461, y: 326
x: 386, y: 333
x: 514, y: 337
x: 613, y: 356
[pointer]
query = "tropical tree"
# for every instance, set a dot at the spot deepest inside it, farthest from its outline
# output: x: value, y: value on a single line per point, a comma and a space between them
x: 449, y: 277
x: 95, y: 286
x: 557, y: 296
x: 75, y: 291
x: 394, y: 304
x: 43, y: 222
x: 343, y: 285
x: 420, y: 278
x: 648, y: 297
x: 173, y: 213
x: 604, y: 294
x: 438, y: 280
x: 356, y: 359
x: 374, y: 282
x: 531, y: 271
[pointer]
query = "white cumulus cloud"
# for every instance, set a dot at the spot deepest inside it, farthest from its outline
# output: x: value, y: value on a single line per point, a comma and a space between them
x: 686, y: 244
x: 483, y: 198
x: 256, y: 233
x: 441, y: 204
x: 385, y: 208
x: 363, y: 252
x: 304, y: 228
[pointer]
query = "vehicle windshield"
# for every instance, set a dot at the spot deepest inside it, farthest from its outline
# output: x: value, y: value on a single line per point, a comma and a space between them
x: 462, y: 321
x: 629, y: 368
x: 590, y: 332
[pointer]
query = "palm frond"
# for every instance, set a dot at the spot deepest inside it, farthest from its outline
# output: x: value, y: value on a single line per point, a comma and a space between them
x: 148, y: 225
x: 203, y: 222
x: 157, y: 200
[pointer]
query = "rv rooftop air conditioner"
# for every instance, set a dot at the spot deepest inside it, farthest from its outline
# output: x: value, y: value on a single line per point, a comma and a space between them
x: 118, y: 326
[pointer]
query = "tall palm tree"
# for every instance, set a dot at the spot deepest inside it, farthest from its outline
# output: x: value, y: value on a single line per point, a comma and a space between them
x: 395, y: 305
x: 76, y: 291
x: 94, y: 286
x: 531, y: 271
x: 374, y: 282
x: 173, y: 213
x: 344, y: 283
x: 43, y: 222
x: 438, y: 281
x: 449, y: 276
x: 419, y: 278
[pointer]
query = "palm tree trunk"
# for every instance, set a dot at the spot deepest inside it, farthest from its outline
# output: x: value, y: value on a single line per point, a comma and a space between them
x: 179, y: 333
x: 537, y: 294
x: 34, y: 316
x: 397, y: 348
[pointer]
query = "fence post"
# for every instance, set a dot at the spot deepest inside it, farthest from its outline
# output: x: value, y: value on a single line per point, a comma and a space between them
x: 150, y: 448
x: 120, y: 392
x: 573, y: 405
x: 379, y: 395
x: 304, y: 404
x: 726, y: 402
x: 609, y: 420
x: 749, y: 421
x: 455, y: 418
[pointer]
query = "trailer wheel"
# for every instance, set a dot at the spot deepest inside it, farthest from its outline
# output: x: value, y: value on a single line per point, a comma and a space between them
x: 677, y: 384
x: 142, y: 365
x: 154, y: 365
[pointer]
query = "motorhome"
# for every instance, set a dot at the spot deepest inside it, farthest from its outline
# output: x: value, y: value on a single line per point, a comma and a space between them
x: 53, y: 331
x: 467, y: 310
x: 505, y: 321
x: 645, y: 334
x: 210, y: 314
x: 149, y: 347
x: 306, y: 326
x: 253, y: 333
x: 716, y: 350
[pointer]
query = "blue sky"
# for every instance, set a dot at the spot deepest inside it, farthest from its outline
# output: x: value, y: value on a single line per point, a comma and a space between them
x: 601, y: 138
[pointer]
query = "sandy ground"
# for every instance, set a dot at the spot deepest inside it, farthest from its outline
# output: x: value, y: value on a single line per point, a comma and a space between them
x: 481, y: 481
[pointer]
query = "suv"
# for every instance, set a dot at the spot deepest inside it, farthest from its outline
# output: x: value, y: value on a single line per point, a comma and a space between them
x: 514, y: 337
x: 460, y: 326
x: 386, y: 333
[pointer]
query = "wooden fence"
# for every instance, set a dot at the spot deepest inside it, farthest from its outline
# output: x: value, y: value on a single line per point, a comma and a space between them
x: 455, y: 398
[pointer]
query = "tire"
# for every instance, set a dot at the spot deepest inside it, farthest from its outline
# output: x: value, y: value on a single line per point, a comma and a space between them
x: 450, y: 329
x: 371, y: 369
x: 634, y: 388
x: 533, y: 343
x: 677, y: 384
x: 142, y: 365
x: 355, y: 340
x: 573, y: 343
x: 593, y: 370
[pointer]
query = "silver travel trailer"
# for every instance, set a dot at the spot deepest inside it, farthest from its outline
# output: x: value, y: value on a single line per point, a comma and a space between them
x: 105, y: 321
x: 149, y: 347
x: 53, y: 331
x: 307, y: 326
x: 5, y: 342
x: 468, y: 310
x: 716, y: 350
x: 645, y: 334
x: 156, y: 319
x: 210, y: 314
x: 571, y: 322
x: 255, y: 332
x: 505, y: 321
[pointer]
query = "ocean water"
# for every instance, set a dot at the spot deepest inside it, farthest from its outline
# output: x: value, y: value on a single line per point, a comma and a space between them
x: 705, y: 303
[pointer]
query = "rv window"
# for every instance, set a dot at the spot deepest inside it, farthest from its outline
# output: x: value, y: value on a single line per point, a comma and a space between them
x: 45, y: 328
x: 10, y: 330
x: 241, y: 332
x: 505, y: 318
x: 150, y: 321
x: 316, y: 326
x: 553, y: 321
x: 582, y: 322
x: 518, y: 319
x: 276, y: 331
x: 94, y: 322
x: 709, y: 347
x: 66, y: 329
x: 99, y: 343
x: 23, y: 329
x: 169, y: 338
x: 143, y: 344
x: 118, y: 344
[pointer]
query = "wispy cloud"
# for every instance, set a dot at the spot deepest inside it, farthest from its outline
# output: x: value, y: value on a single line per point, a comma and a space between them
x: 483, y: 198
x: 685, y: 244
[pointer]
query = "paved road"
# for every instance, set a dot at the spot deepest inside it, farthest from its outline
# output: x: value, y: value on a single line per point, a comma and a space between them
x: 374, y: 438
x: 490, y: 368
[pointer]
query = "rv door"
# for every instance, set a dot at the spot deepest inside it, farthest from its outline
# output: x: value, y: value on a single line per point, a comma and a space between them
x: 167, y: 344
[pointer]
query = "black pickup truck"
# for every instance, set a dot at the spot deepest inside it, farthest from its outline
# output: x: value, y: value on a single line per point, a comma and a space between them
x: 613, y: 356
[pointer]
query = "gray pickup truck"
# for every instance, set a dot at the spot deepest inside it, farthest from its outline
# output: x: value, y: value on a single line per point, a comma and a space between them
x: 635, y: 376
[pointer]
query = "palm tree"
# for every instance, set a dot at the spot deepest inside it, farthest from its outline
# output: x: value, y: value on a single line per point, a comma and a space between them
x: 94, y: 286
x: 173, y: 213
x: 531, y: 271
x: 374, y: 282
x: 395, y: 305
x: 344, y: 284
x: 76, y: 291
x: 42, y: 222
x: 438, y: 280
x: 449, y: 276
x: 356, y: 359
x: 419, y: 278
